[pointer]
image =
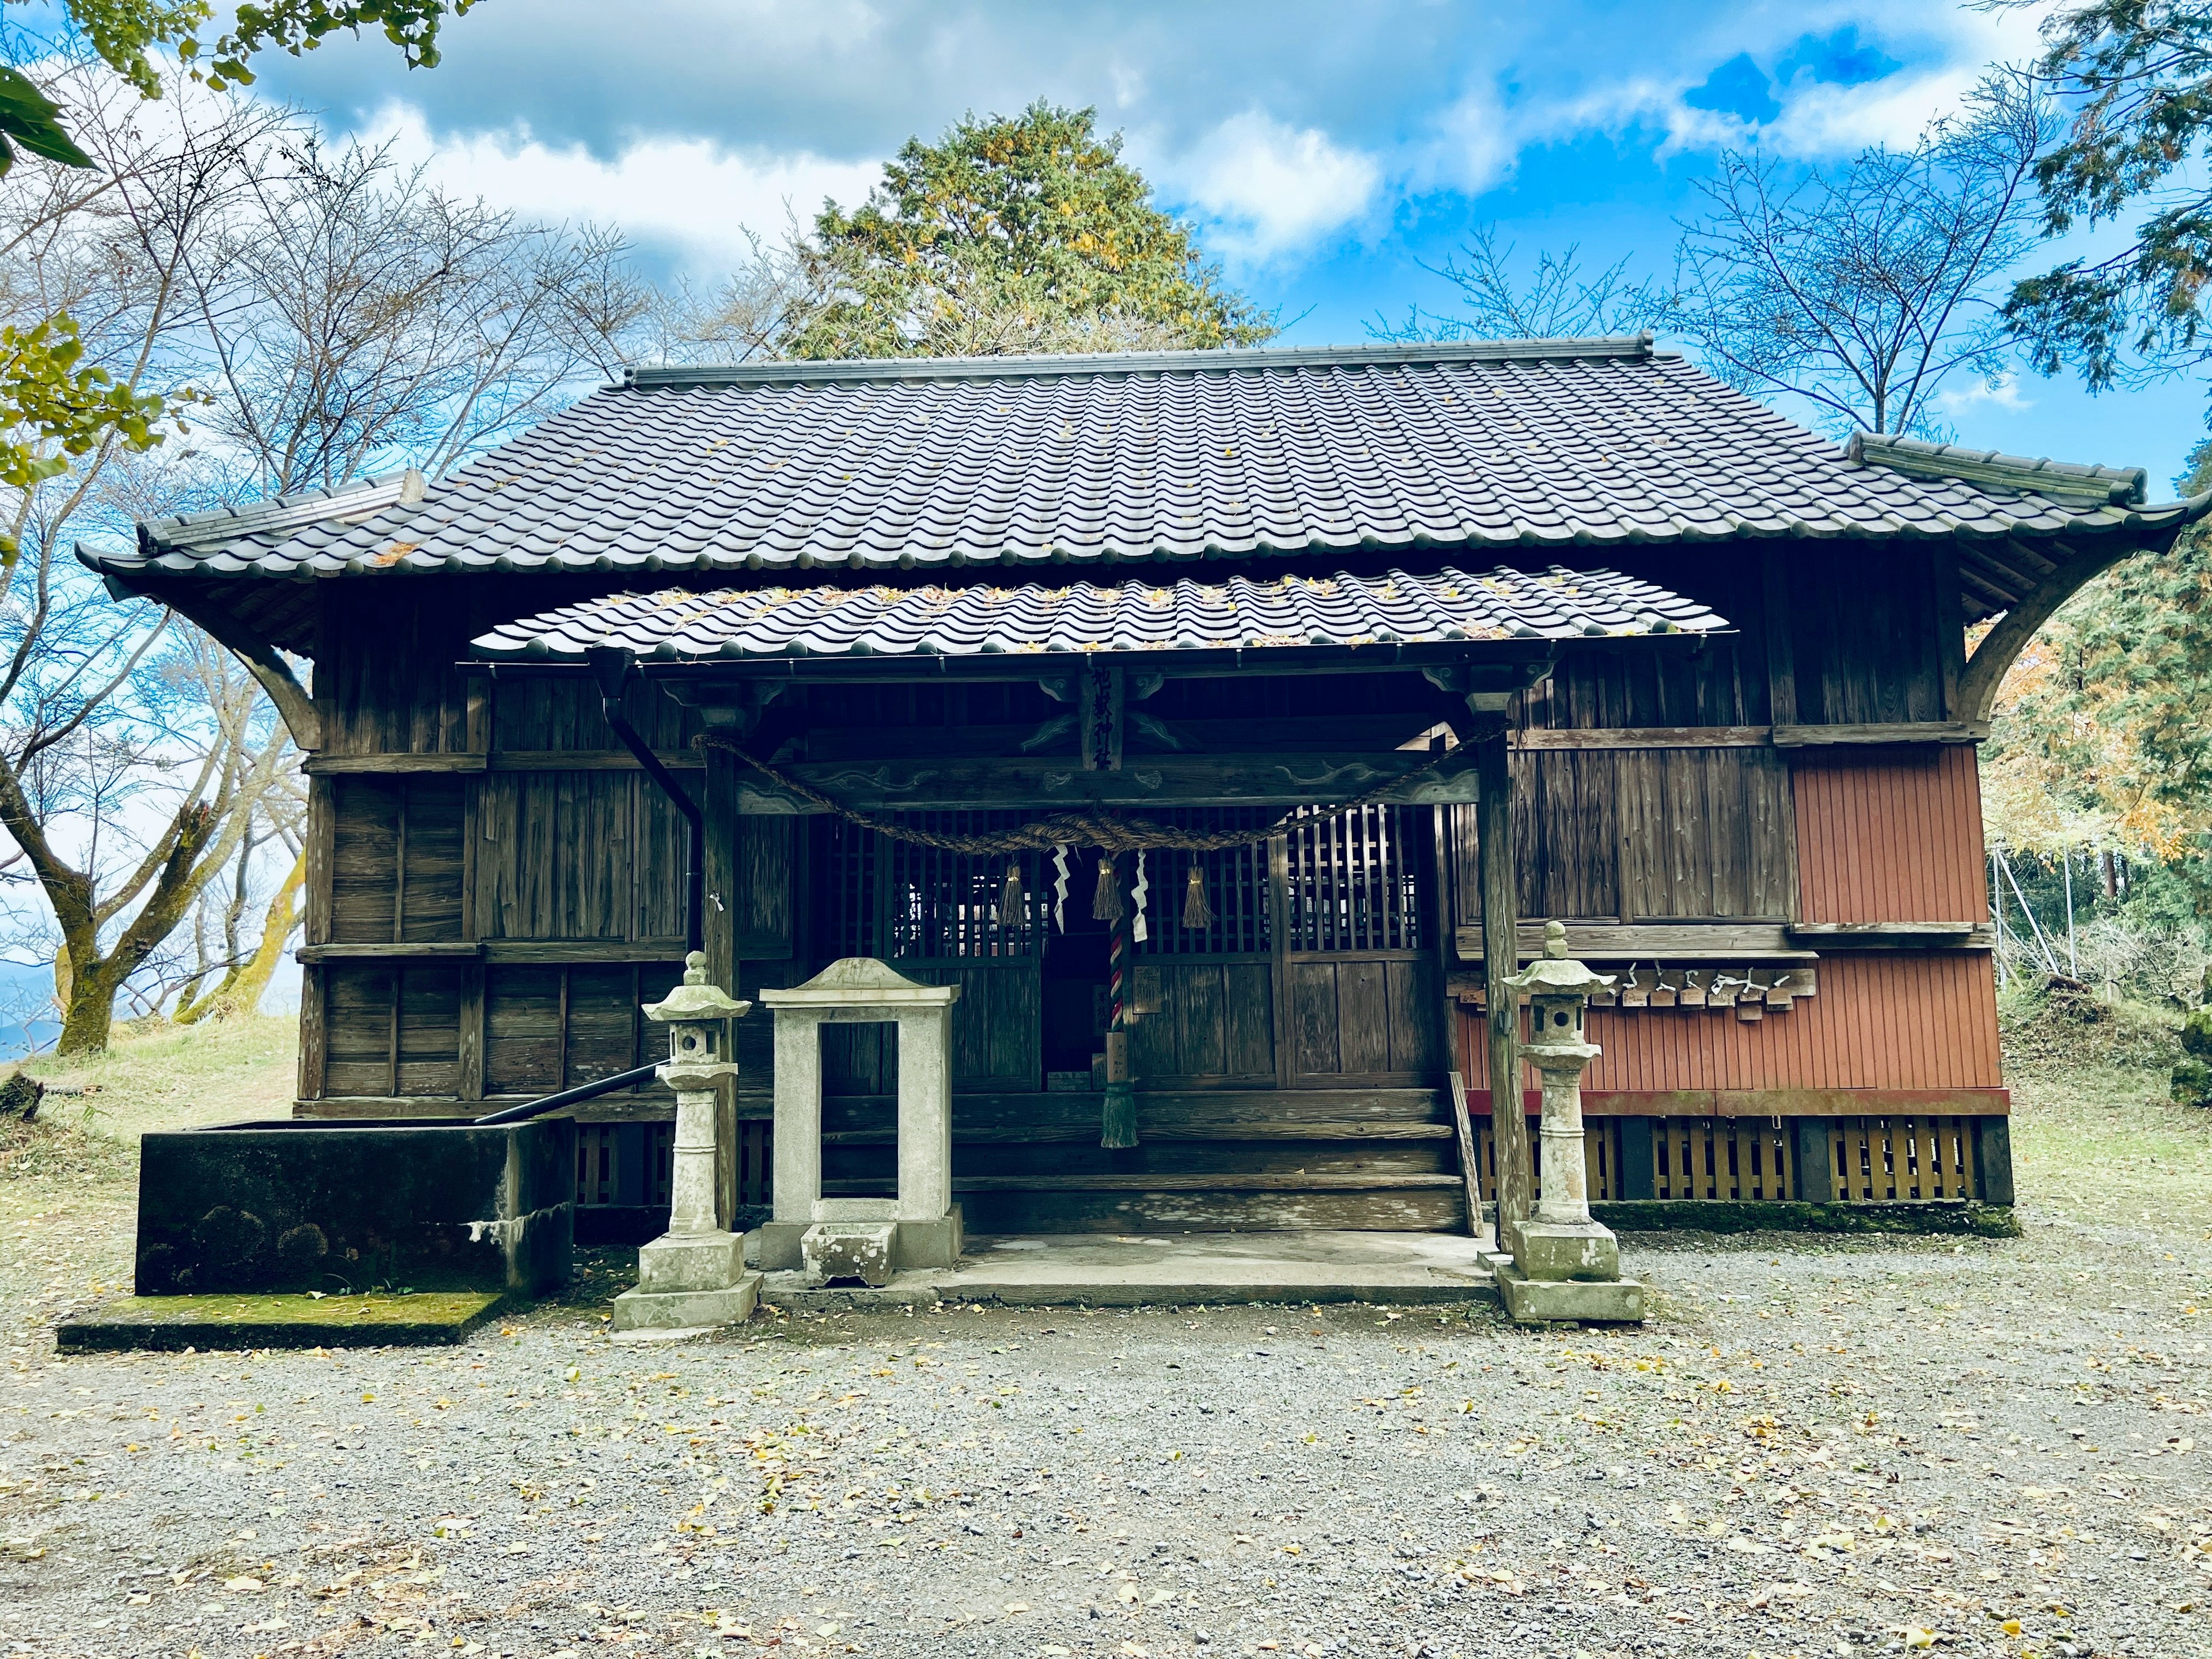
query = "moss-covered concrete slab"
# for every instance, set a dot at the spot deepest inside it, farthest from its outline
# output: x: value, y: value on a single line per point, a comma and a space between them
x: 423, y: 1319
x: 1752, y: 1215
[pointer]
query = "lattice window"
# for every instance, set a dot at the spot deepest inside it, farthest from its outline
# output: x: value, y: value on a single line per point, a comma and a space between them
x: 1236, y: 888
x: 1353, y: 880
x: 880, y: 897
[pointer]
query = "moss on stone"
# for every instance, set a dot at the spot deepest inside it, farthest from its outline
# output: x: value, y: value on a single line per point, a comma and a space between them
x: 247, y: 1320
x: 1751, y: 1216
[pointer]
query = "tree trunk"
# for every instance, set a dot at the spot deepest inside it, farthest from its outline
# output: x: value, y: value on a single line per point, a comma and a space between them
x: 242, y: 986
x: 89, y: 1011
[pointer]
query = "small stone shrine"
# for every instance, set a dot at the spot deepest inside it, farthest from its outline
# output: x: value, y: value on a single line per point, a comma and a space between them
x: 1565, y: 1266
x: 863, y: 1238
x: 694, y: 1274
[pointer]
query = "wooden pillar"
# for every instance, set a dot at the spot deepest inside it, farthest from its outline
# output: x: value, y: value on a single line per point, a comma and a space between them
x: 1441, y: 908
x: 1812, y: 1159
x: 1509, y: 1126
x: 1117, y: 1126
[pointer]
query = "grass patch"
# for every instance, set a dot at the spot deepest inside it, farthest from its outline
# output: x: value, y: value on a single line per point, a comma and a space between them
x: 246, y: 1321
x: 69, y: 1180
x: 2095, y: 1133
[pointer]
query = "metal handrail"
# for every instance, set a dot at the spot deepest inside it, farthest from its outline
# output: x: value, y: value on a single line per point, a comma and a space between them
x: 605, y: 1086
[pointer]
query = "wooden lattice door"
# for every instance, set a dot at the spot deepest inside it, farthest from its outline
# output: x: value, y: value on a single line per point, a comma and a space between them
x: 938, y: 918
x: 1357, y: 986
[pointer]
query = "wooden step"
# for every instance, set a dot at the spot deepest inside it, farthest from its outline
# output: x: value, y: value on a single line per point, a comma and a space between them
x: 1297, y: 1130
x: 1227, y: 1182
x: 1425, y: 1208
x: 1185, y: 1114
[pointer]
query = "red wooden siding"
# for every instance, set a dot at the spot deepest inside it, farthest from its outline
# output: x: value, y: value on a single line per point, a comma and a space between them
x: 1882, y: 1020
x: 1885, y: 839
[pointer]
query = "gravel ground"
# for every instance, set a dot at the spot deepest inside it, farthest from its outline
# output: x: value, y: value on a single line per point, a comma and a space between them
x: 1815, y: 1447
x: 1848, y: 1449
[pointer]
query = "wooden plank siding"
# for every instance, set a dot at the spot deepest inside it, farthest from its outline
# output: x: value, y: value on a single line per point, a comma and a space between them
x: 1891, y: 835
x: 1893, y: 1020
x: 580, y: 860
x: 1886, y: 834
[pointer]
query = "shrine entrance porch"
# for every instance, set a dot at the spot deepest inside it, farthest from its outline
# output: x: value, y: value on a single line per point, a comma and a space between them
x: 1118, y: 1270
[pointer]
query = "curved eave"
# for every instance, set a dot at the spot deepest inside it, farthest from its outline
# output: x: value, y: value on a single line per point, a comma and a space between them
x: 2057, y: 523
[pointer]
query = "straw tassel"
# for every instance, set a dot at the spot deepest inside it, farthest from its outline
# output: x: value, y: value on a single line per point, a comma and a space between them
x: 1197, y: 914
x: 1106, y: 902
x: 1010, y: 896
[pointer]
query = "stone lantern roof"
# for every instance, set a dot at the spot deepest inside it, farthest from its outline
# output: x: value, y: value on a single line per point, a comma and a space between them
x: 695, y: 998
x: 1555, y: 973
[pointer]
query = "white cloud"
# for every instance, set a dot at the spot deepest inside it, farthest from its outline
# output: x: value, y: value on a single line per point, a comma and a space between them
x: 2001, y: 393
x: 1821, y: 120
x: 1473, y: 148
x: 694, y: 194
x: 1271, y: 189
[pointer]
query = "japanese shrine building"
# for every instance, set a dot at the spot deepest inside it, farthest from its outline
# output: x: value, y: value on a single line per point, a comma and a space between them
x: 1710, y: 669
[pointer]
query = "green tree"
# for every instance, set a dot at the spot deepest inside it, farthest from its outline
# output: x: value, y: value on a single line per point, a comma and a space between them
x: 2136, y: 76
x: 1016, y: 233
x: 2103, y: 732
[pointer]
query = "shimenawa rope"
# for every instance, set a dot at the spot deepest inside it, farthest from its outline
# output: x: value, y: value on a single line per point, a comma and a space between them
x: 1109, y: 832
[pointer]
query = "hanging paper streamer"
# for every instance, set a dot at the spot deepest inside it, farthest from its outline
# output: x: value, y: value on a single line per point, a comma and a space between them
x: 1059, y: 888
x: 1137, y: 930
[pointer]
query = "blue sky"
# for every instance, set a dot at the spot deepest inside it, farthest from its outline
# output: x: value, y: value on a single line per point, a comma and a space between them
x: 1326, y: 151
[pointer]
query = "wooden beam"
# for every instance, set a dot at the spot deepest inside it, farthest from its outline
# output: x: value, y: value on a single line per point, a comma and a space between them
x: 391, y: 951
x: 1895, y: 935
x: 1777, y: 1102
x: 502, y: 760
x: 1325, y: 733
x: 1823, y: 737
x: 1163, y: 781
x: 1647, y: 737
x: 325, y: 766
x: 611, y: 951
x: 2008, y: 636
x: 1724, y: 941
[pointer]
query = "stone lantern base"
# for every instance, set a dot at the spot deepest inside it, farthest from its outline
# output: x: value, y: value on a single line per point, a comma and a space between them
x: 1568, y: 1270
x: 685, y: 1280
x: 1582, y: 1302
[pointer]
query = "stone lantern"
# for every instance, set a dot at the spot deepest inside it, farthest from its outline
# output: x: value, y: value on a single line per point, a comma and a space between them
x: 693, y: 1274
x: 1565, y: 1266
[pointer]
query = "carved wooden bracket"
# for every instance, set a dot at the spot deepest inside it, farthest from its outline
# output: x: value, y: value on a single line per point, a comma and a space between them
x: 268, y: 666
x: 2003, y: 644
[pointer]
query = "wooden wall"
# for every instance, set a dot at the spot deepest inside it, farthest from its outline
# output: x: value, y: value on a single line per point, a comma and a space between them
x: 1892, y: 834
x: 493, y: 885
x: 488, y: 907
x: 1886, y: 1020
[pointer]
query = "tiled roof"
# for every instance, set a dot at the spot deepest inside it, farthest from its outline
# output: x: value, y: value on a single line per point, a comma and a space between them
x: 907, y: 464
x: 1185, y: 614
